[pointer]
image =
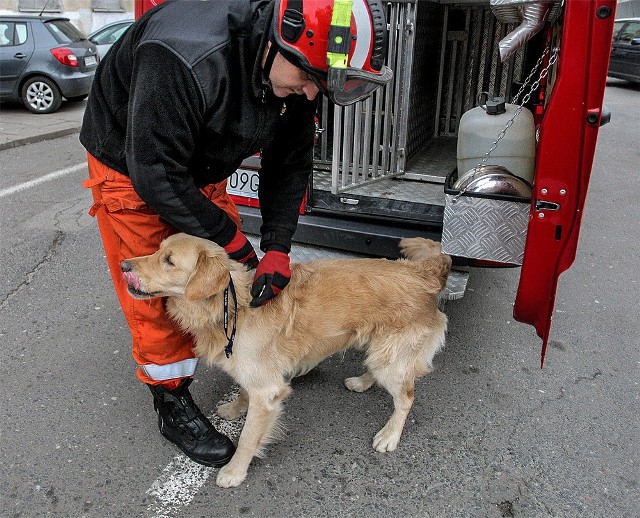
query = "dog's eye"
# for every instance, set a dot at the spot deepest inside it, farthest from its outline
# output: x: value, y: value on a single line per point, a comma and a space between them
x: 167, y: 260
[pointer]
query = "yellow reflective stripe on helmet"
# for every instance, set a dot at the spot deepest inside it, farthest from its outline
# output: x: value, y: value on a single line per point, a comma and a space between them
x: 341, y: 15
x: 340, y: 20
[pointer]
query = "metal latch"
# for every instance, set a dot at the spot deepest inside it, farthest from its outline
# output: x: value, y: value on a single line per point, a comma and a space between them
x: 547, y: 205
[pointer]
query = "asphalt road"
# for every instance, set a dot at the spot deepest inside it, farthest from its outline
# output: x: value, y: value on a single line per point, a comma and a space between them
x: 490, y: 434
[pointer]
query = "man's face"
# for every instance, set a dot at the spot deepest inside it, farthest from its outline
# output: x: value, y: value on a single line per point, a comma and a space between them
x: 287, y: 79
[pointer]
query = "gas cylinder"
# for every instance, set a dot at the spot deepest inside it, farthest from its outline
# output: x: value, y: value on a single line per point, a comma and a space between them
x: 479, y: 128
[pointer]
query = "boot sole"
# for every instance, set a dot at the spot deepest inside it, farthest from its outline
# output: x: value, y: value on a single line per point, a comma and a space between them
x: 208, y: 463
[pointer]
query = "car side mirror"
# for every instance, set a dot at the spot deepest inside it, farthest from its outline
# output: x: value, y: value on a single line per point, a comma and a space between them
x: 635, y: 41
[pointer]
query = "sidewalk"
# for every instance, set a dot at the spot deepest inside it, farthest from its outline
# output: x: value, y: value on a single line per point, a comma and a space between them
x: 18, y: 126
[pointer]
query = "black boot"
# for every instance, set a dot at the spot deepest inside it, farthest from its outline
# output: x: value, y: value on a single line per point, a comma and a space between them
x: 181, y: 421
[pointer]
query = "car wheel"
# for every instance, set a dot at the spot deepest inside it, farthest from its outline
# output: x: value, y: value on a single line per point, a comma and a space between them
x: 77, y: 98
x: 41, y: 95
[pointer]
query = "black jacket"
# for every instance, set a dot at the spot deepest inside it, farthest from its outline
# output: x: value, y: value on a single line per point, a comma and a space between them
x: 179, y: 101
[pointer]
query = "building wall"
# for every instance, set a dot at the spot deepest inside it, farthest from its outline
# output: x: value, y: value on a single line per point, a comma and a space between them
x: 87, y: 15
x: 628, y: 8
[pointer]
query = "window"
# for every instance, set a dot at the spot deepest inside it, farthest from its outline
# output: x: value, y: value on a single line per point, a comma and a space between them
x: 616, y: 29
x: 63, y: 31
x: 12, y: 34
x: 110, y: 35
x: 631, y: 31
x: 47, y: 6
x: 6, y: 34
x: 107, y: 5
x: 21, y: 33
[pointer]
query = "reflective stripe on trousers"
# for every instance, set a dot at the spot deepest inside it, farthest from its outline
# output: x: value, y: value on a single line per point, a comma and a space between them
x: 174, y: 370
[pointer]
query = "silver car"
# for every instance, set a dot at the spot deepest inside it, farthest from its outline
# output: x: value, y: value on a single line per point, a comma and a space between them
x: 107, y: 35
x: 44, y: 59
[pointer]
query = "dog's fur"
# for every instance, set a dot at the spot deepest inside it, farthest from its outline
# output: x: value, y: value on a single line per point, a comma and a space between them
x: 386, y: 308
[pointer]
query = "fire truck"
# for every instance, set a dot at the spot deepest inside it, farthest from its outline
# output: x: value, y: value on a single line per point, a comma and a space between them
x: 390, y: 166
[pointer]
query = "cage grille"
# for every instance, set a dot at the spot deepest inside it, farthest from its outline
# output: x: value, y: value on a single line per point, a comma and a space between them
x: 443, y: 57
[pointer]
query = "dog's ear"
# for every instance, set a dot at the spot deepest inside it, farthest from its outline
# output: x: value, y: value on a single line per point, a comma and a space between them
x: 209, y: 277
x: 437, y: 268
x: 442, y: 268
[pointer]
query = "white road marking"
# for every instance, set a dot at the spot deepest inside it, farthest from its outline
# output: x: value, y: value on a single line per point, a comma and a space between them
x: 47, y: 177
x: 182, y: 478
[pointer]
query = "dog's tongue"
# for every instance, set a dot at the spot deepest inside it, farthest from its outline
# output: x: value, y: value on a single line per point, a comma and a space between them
x: 132, y: 280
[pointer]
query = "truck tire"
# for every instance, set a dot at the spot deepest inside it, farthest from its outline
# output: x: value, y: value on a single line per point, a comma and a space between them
x: 41, y: 95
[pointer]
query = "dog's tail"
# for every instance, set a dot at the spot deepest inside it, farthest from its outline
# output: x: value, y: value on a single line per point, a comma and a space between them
x: 429, y: 253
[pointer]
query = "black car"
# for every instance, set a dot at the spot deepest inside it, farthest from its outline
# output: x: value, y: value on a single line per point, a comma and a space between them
x: 42, y: 60
x: 625, y: 50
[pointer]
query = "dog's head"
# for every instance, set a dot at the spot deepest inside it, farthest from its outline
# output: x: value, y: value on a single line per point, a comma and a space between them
x: 183, y: 266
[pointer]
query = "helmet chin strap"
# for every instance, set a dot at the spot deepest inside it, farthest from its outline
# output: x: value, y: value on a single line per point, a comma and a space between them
x: 268, y: 62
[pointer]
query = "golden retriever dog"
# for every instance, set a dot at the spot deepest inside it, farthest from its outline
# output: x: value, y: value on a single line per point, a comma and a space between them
x: 388, y: 309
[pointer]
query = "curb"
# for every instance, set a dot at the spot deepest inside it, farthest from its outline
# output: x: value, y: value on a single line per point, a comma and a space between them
x: 39, y: 138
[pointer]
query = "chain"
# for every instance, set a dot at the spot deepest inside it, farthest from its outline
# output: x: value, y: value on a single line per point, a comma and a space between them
x: 534, y: 86
x: 530, y: 76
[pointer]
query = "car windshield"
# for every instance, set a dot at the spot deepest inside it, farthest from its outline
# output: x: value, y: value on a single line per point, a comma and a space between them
x: 63, y: 31
x: 109, y: 35
x: 616, y: 28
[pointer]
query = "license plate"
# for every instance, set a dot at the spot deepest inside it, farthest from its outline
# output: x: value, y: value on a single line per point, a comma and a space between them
x: 244, y: 182
x: 89, y: 61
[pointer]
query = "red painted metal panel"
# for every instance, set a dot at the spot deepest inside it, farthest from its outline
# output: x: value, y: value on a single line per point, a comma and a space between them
x: 568, y: 134
x: 142, y: 6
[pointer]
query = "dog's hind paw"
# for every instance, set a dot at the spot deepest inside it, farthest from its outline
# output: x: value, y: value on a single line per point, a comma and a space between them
x: 359, y: 383
x: 231, y: 411
x: 228, y: 477
x: 386, y: 439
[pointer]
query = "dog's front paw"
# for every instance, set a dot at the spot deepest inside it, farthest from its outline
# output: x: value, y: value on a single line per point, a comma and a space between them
x: 386, y: 439
x: 230, y: 477
x: 231, y: 411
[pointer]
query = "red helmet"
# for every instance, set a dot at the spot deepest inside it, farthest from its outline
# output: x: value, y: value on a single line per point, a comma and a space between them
x: 345, y: 59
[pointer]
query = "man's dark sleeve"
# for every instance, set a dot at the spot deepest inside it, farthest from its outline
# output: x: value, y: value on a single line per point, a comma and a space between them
x: 284, y: 177
x: 165, y: 117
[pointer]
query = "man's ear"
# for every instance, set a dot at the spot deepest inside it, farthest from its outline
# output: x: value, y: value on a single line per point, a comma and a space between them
x: 209, y: 277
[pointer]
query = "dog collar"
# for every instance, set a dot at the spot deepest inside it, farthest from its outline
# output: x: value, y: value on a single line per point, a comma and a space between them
x: 228, y: 350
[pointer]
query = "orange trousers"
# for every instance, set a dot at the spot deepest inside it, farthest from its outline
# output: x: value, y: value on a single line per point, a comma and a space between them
x: 129, y: 228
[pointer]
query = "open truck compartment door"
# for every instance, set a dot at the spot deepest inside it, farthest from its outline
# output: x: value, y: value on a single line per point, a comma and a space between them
x: 566, y: 146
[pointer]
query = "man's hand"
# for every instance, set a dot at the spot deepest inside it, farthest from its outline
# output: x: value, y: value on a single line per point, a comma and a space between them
x: 239, y: 249
x: 272, y: 276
